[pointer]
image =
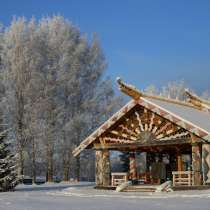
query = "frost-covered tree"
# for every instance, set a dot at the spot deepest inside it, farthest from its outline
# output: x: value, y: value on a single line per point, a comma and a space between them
x: 205, y: 95
x: 56, y: 92
x: 174, y: 90
x: 18, y: 62
x: 151, y: 90
x: 8, y: 168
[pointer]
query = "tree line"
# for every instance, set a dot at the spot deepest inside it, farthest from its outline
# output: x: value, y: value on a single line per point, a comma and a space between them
x: 53, y: 94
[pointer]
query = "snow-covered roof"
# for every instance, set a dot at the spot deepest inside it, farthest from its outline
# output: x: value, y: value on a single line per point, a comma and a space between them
x: 195, y: 116
x: 186, y: 115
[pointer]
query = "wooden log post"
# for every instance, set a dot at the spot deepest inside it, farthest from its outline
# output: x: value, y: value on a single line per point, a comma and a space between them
x: 98, y: 169
x: 206, y: 163
x: 132, y: 166
x: 179, y: 161
x: 107, y: 168
x: 103, y: 170
x: 196, y: 160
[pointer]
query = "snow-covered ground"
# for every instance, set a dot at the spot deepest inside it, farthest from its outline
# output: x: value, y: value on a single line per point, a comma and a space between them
x: 81, y: 196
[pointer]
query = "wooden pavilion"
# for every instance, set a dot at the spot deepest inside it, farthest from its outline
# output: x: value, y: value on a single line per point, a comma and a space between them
x: 155, y: 125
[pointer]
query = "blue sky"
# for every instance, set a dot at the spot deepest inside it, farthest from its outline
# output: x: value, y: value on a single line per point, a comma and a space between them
x: 144, y: 41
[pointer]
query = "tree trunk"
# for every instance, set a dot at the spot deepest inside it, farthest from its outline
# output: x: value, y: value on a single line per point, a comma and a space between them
x: 49, y: 165
x: 66, y: 174
x: 78, y: 168
x: 33, y: 161
x: 50, y: 148
x: 66, y: 166
x: 66, y: 153
x: 20, y: 162
x: 20, y: 146
x: 20, y: 131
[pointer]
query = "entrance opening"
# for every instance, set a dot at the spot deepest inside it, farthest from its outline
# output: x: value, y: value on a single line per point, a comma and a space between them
x: 154, y: 166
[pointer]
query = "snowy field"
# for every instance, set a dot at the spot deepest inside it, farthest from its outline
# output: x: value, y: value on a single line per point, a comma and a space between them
x: 82, y: 196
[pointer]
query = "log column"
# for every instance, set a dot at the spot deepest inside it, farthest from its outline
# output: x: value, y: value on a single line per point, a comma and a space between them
x: 103, y: 170
x: 132, y: 166
x: 179, y: 161
x: 196, y: 160
x: 206, y: 163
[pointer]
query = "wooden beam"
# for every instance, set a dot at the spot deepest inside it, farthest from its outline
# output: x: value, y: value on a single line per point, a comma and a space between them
x: 129, y: 131
x: 123, y: 135
x: 136, y: 145
x: 102, y: 142
x: 117, y: 140
x: 198, y: 102
x: 139, y: 121
x: 133, y: 92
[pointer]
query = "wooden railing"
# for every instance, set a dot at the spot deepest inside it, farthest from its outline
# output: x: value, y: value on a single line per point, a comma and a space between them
x: 119, y: 178
x: 181, y: 178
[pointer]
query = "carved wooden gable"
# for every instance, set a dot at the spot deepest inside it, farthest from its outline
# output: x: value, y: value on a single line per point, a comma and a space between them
x: 141, y: 125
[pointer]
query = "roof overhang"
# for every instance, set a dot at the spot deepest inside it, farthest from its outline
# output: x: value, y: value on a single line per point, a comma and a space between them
x: 178, y: 120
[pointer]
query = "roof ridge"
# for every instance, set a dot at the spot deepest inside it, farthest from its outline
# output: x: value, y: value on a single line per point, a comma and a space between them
x: 197, y: 101
x: 135, y: 93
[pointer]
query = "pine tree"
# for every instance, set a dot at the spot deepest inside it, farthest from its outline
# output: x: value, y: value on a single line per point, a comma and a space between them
x: 8, y: 170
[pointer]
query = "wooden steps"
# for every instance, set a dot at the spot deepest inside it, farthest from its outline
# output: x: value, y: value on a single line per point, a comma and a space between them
x: 141, y: 188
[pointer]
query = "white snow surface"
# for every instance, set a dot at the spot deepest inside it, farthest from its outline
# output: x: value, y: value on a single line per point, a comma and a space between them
x: 82, y: 196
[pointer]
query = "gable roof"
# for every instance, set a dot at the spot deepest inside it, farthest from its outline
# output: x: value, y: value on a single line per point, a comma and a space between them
x: 183, y: 114
x: 111, y: 121
x: 194, y: 116
x: 185, y: 117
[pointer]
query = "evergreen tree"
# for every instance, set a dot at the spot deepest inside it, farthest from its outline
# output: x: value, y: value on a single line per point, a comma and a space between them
x: 8, y: 172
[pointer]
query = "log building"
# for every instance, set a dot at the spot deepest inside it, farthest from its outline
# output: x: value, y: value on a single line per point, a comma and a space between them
x: 157, y: 126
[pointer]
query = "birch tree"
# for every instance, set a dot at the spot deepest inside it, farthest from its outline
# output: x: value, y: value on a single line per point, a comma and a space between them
x: 56, y: 93
x: 174, y: 90
x: 16, y: 59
